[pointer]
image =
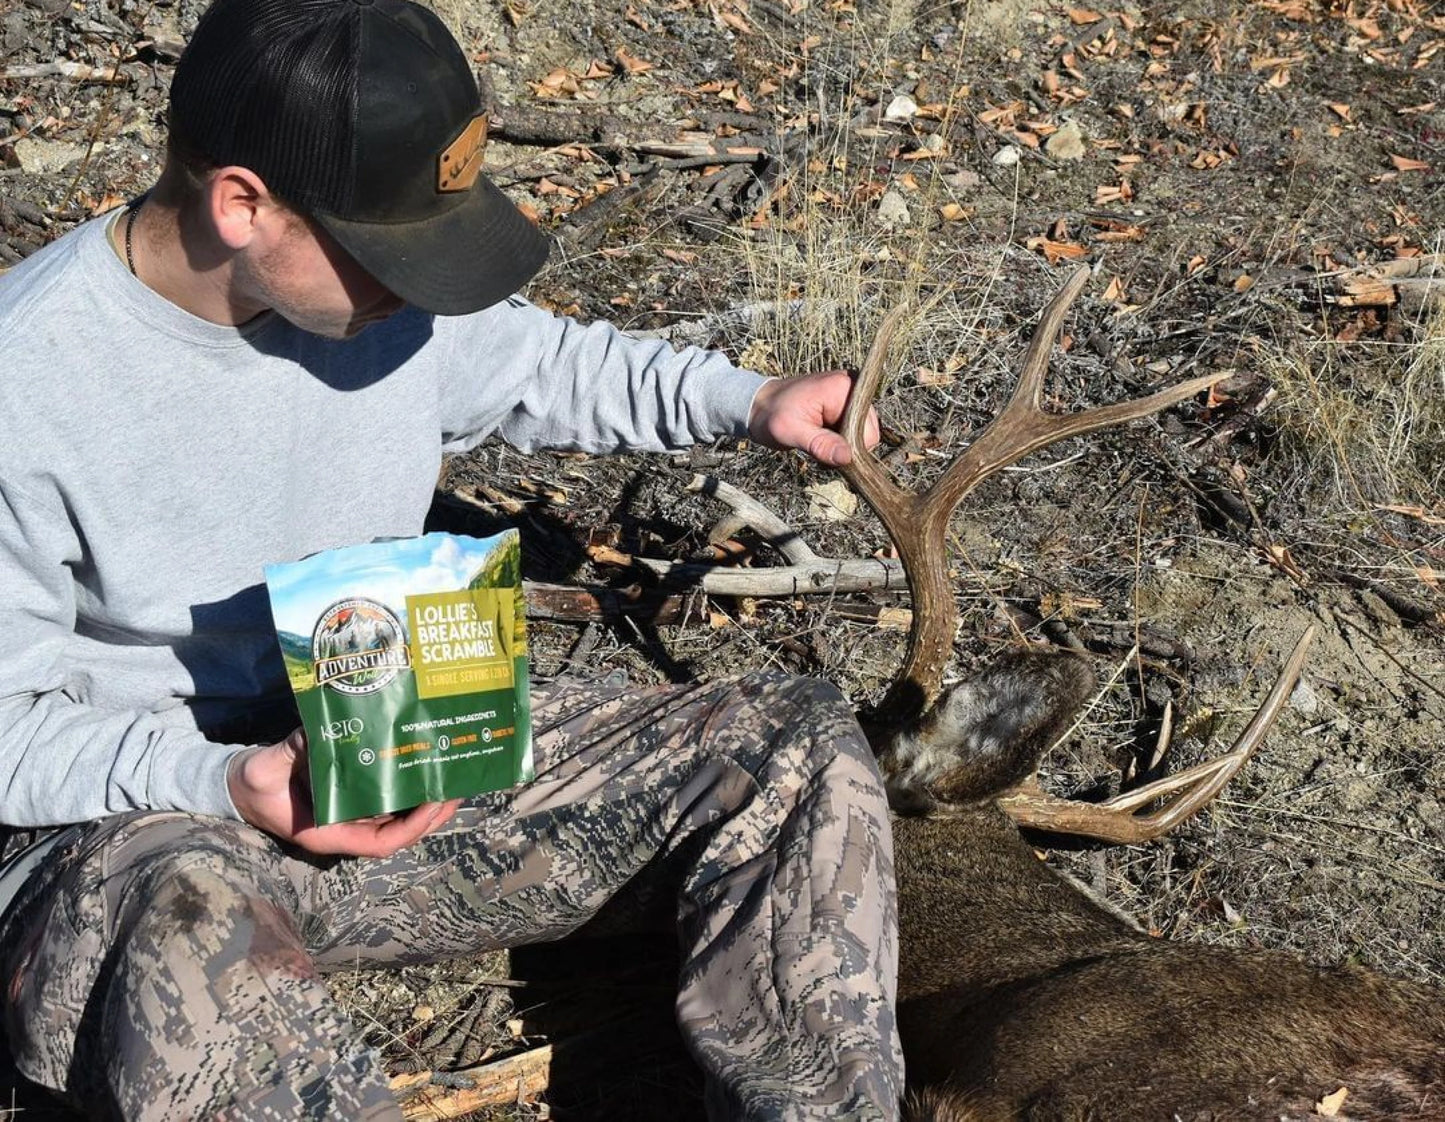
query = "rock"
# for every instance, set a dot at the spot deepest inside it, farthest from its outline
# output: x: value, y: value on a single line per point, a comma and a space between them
x: 1067, y: 143
x: 1379, y: 610
x: 43, y: 157
x: 901, y: 108
x: 14, y: 32
x: 163, y: 29
x: 963, y: 181
x: 831, y: 502
x: 893, y: 211
x: 145, y: 132
x: 1304, y: 699
x: 1007, y: 156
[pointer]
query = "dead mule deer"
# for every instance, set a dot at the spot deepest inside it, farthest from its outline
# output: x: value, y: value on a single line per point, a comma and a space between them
x: 1020, y: 997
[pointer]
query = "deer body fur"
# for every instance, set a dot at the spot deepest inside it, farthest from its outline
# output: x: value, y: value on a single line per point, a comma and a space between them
x: 1021, y: 997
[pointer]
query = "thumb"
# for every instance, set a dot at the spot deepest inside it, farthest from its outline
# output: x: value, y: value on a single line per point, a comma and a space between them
x: 828, y: 447
x: 293, y: 748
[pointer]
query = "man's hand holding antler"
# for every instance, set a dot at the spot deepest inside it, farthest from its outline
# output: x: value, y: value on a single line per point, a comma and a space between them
x: 802, y: 412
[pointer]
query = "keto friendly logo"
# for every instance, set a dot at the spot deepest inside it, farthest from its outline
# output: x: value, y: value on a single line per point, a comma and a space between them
x: 358, y: 647
x: 347, y: 728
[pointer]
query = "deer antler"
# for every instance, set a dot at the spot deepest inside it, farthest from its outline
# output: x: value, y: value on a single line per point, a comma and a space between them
x: 918, y: 523
x: 1116, y: 820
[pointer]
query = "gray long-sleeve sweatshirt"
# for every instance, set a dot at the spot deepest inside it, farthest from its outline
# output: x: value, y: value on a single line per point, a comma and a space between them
x: 151, y: 463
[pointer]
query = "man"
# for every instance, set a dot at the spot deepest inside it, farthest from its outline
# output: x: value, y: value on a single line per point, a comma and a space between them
x: 266, y: 356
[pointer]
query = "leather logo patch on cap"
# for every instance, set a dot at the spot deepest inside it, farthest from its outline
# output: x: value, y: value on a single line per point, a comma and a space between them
x: 461, y: 161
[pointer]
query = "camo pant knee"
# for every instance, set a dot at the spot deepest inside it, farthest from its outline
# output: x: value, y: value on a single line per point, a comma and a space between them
x: 159, y: 974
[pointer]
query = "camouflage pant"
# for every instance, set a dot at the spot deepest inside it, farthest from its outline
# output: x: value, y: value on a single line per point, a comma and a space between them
x: 167, y: 966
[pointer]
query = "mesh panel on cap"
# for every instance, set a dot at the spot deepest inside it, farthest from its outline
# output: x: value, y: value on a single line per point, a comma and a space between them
x: 271, y: 85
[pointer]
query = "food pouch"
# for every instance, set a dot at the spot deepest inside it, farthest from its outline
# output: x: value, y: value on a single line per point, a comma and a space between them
x: 408, y: 659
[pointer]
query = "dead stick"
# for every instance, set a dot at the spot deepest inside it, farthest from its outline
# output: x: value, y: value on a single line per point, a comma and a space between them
x: 75, y: 71
x: 778, y: 533
x: 1095, y: 30
x: 821, y: 576
x: 517, y: 1079
x: 700, y: 155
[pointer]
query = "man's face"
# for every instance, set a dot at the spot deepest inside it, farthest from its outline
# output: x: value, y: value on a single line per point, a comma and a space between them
x: 302, y: 274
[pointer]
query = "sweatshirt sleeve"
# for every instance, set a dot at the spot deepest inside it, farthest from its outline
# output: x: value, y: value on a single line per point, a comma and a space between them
x: 62, y: 760
x: 546, y: 381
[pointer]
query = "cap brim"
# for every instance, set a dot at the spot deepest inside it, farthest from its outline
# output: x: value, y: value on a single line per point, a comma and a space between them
x: 460, y: 261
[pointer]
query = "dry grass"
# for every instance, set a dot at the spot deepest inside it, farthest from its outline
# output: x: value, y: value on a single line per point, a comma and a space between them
x: 828, y: 266
x: 1369, y: 415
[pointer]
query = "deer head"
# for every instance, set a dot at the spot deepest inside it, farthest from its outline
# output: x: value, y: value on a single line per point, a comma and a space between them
x: 933, y: 748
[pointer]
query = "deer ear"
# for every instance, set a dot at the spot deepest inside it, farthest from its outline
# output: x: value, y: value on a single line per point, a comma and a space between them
x: 988, y: 733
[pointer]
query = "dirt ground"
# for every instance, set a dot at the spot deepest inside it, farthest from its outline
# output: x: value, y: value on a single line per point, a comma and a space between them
x: 771, y: 177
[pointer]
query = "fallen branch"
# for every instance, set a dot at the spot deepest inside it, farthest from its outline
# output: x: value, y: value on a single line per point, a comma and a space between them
x: 824, y: 575
x: 75, y: 71
x: 666, y: 600
x: 747, y: 511
x: 568, y: 603
x: 807, y: 574
x: 518, y: 124
x: 1408, y: 281
x: 516, y: 1079
x: 702, y: 151
x: 590, y: 222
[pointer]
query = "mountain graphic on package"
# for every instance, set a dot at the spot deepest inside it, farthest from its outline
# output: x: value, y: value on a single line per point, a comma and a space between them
x: 408, y: 659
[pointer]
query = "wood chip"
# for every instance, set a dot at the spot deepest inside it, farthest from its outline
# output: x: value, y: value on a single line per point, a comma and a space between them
x: 1053, y: 251
x: 1367, y: 292
x: 631, y: 63
x: 1329, y: 1105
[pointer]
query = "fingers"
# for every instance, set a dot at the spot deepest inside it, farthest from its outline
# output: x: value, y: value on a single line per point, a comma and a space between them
x: 802, y: 412
x: 406, y: 828
x: 381, y: 836
x: 446, y: 813
x: 827, y: 447
x: 872, y: 433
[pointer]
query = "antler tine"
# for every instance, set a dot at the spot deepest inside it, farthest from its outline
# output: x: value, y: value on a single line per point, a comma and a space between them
x: 890, y: 501
x: 865, y: 388
x: 1115, y: 820
x: 1024, y: 426
x: 918, y: 524
x: 1036, y: 358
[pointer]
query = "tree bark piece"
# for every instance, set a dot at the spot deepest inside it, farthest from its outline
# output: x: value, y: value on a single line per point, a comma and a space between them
x: 1413, y: 282
x: 569, y: 603
x: 516, y: 1079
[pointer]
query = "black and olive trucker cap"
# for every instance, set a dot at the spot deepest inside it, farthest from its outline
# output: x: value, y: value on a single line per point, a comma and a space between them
x: 363, y: 114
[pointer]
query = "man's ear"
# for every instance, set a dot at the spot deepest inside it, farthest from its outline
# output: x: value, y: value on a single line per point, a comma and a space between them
x: 238, y: 205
